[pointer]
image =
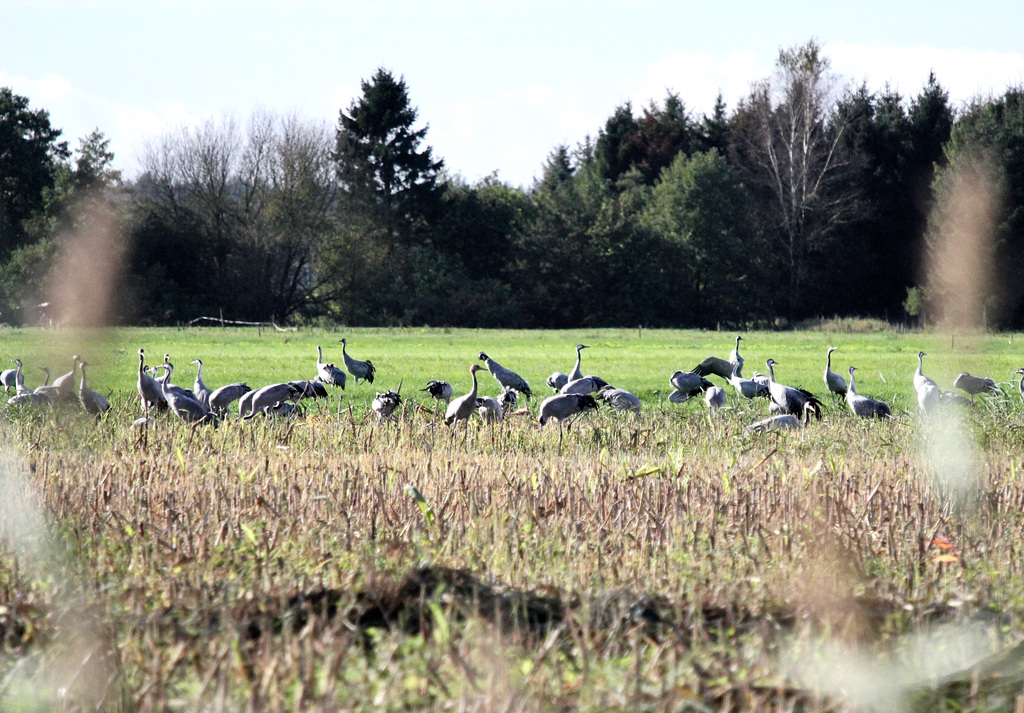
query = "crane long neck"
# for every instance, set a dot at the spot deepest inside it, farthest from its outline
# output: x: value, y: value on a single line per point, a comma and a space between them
x: 576, y: 373
x: 828, y: 361
x: 771, y: 373
x: 472, y: 393
x: 319, y: 356
x: 852, y: 387
x: 920, y: 365
x: 142, y: 358
x: 83, y: 377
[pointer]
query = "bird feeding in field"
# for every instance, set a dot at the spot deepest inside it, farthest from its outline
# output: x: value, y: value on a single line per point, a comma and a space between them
x: 687, y: 384
x: 584, y: 385
x: 619, y: 399
x: 714, y: 397
x: 439, y: 391
x: 565, y: 408
x: 359, y: 369
x: 975, y: 385
x: 782, y: 422
x: 200, y: 389
x: 385, y: 403
x: 506, y: 377
x: 490, y: 409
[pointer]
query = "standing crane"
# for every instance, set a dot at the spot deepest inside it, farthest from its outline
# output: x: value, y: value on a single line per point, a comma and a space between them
x: 66, y: 382
x: 928, y: 393
x: 462, y: 408
x: 221, y: 397
x: 687, y: 384
x: 200, y: 389
x: 865, y: 406
x: 9, y: 377
x: 790, y: 400
x: 359, y: 369
x: 182, y: 405
x: 833, y: 381
x: 576, y: 373
x: 328, y: 373
x: 506, y: 377
x: 92, y: 401
x: 747, y: 388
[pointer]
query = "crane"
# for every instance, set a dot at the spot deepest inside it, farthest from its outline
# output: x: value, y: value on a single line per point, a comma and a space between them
x: 489, y: 409
x: 557, y: 380
x: 221, y: 398
x: 584, y: 385
x: 149, y: 389
x: 975, y: 385
x: 200, y: 389
x: 92, y: 401
x: 462, y: 408
x: 506, y: 377
x: 9, y: 377
x: 714, y: 397
x: 865, y: 406
x: 619, y: 399
x: 182, y: 405
x: 748, y: 388
x: 782, y: 422
x: 66, y: 382
x: 385, y: 403
x: 687, y: 384
x: 833, y: 381
x: 576, y: 373
x: 721, y: 367
x: 790, y: 400
x: 328, y: 373
x: 359, y: 369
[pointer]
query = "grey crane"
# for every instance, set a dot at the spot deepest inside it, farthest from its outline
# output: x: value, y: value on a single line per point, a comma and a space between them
x: 565, y: 408
x: 508, y: 399
x: 181, y: 404
x: 490, y: 409
x: 385, y: 403
x: 686, y: 385
x: 619, y: 399
x: 782, y: 422
x: 359, y: 369
x: 919, y: 378
x: 748, y: 388
x: 833, y: 381
x: 45, y: 395
x: 254, y: 402
x: 721, y: 367
x: 439, y: 391
x: 92, y: 401
x: 150, y: 390
x: 66, y: 382
x: 584, y: 385
x: 1020, y: 386
x: 714, y: 397
x: 557, y: 380
x: 19, y: 380
x: 222, y: 397
x: 166, y: 380
x: 9, y: 377
x: 788, y: 399
x: 201, y: 390
x: 309, y: 389
x: 576, y: 373
x: 975, y: 385
x: 462, y: 408
x: 506, y: 377
x: 928, y: 392
x: 865, y: 406
x: 327, y: 372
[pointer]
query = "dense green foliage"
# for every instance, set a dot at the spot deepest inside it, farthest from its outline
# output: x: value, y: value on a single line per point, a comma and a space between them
x: 812, y: 197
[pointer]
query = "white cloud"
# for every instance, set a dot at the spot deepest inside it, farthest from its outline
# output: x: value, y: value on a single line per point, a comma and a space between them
x: 698, y: 78
x: 963, y: 73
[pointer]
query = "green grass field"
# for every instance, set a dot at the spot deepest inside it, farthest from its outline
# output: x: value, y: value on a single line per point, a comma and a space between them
x: 638, y: 360
x: 666, y: 562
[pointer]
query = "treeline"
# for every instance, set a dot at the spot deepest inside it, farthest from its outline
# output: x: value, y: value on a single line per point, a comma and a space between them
x: 809, y: 198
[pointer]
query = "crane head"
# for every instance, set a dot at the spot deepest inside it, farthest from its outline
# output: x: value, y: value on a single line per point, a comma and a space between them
x: 475, y: 368
x: 770, y: 363
x: 921, y: 354
x: 582, y: 346
x: 482, y: 356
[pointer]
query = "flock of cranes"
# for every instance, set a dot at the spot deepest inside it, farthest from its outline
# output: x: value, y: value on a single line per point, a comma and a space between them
x: 575, y: 393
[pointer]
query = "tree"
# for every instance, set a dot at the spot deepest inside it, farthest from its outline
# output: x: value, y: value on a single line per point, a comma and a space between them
x: 789, y: 144
x: 381, y: 167
x: 29, y: 155
x: 701, y: 209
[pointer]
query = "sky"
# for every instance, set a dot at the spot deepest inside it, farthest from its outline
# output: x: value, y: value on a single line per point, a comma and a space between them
x: 499, y: 84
